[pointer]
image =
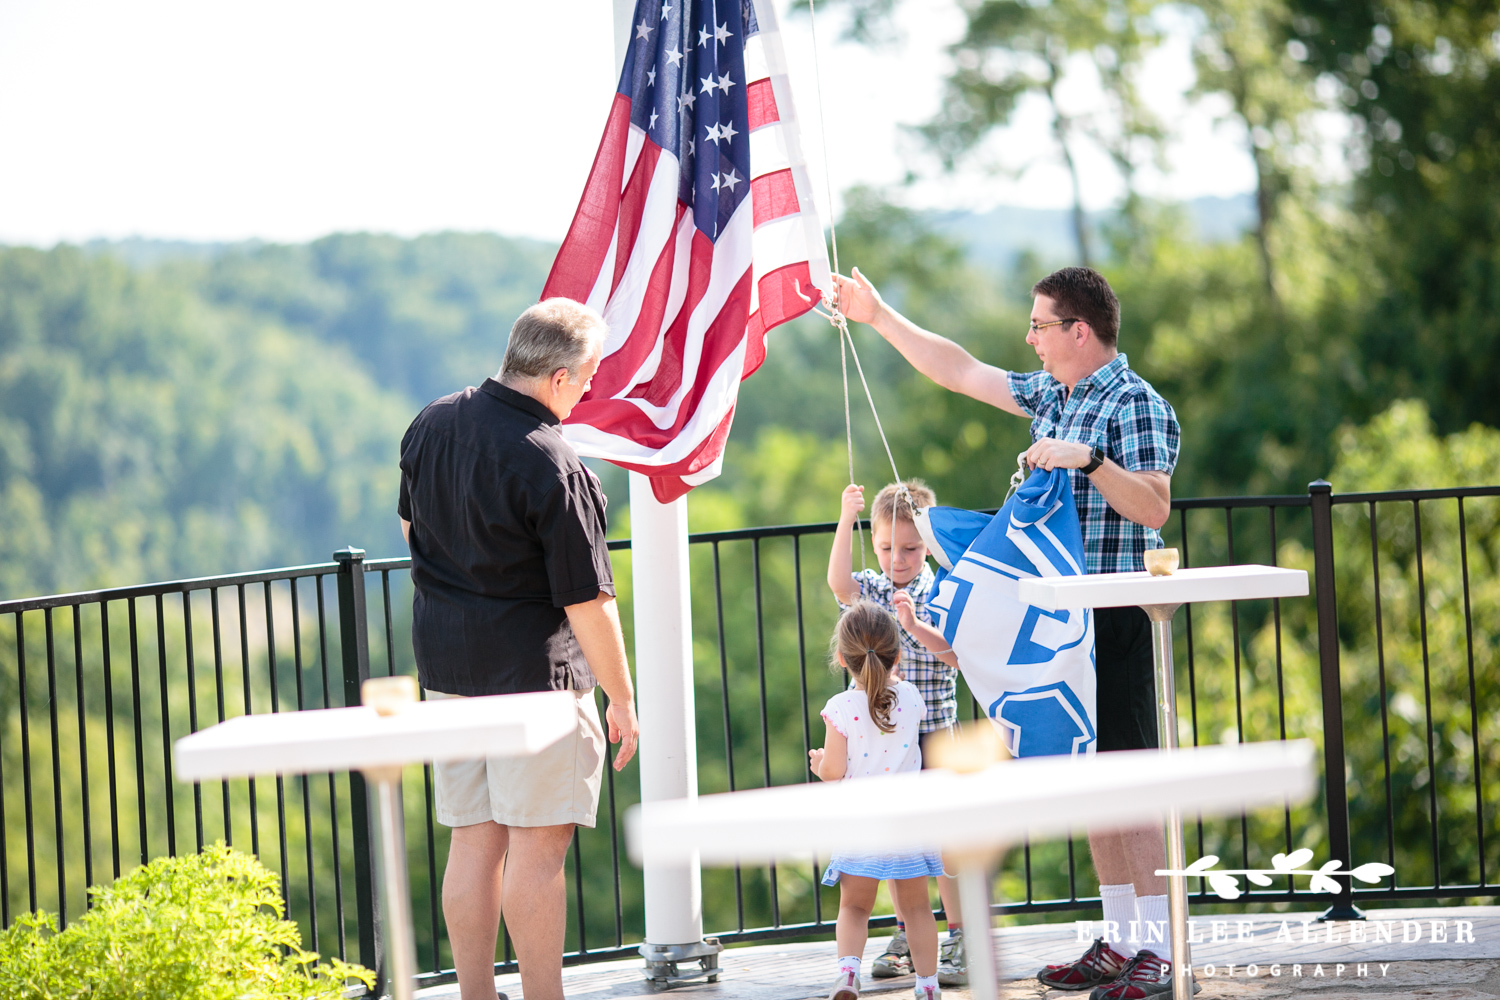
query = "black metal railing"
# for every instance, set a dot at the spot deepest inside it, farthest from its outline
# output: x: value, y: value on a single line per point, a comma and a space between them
x: 1388, y: 665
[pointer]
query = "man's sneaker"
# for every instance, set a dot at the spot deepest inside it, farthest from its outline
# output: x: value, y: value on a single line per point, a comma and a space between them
x: 953, y: 960
x: 846, y: 986
x: 895, y: 960
x: 927, y: 993
x: 1100, y: 964
x: 1145, y: 975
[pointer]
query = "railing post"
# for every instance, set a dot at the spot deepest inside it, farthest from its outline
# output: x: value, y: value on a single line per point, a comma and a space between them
x: 1336, y: 794
x: 354, y: 642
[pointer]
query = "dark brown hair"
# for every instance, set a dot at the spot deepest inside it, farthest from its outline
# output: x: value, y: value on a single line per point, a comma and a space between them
x: 1082, y: 293
x: 889, y: 506
x: 869, y: 643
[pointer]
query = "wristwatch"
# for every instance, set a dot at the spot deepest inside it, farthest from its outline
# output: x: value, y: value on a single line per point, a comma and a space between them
x: 1094, y: 462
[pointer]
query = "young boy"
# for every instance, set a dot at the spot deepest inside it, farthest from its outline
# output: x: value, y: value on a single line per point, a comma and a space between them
x: 904, y: 578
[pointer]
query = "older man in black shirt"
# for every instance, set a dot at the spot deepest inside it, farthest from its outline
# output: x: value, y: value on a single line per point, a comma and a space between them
x: 514, y: 592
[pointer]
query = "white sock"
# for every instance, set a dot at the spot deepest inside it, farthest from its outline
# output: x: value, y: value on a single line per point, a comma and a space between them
x: 849, y: 963
x: 1119, y: 914
x: 923, y: 982
x: 1156, y: 933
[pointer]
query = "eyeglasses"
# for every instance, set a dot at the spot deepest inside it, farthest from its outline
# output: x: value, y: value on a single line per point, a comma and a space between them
x: 1038, y: 327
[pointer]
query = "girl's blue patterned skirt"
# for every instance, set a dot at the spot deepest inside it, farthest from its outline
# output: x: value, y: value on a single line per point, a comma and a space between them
x: 882, y: 866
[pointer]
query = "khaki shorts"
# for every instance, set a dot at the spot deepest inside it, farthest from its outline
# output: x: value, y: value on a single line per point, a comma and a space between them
x: 557, y: 786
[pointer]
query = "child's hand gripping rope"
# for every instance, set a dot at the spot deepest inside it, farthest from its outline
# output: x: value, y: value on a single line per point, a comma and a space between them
x: 853, y: 503
x: 906, y: 610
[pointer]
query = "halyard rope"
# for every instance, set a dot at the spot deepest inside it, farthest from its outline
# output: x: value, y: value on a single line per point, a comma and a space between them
x: 835, y: 314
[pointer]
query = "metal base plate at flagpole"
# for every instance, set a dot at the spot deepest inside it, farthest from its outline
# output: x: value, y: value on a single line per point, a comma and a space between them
x: 665, y: 962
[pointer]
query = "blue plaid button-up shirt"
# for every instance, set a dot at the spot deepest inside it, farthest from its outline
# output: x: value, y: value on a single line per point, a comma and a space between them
x: 937, y: 681
x: 1117, y: 410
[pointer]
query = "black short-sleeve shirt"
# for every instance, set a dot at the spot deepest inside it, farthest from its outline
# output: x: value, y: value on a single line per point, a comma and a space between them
x: 507, y: 529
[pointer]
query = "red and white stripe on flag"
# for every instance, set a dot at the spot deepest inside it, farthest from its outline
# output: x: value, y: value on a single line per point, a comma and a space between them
x: 688, y: 309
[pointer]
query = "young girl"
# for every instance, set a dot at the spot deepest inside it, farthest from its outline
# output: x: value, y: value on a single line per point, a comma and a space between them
x: 871, y: 730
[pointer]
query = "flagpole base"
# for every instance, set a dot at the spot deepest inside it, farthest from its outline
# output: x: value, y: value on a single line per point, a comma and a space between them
x: 664, y: 962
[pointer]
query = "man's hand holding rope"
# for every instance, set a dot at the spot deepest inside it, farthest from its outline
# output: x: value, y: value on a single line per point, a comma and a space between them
x: 856, y: 298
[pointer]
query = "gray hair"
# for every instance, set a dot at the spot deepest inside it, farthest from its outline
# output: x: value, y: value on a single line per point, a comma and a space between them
x: 553, y: 334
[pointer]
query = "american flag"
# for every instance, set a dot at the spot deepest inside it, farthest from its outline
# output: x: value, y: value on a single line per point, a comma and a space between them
x: 696, y: 234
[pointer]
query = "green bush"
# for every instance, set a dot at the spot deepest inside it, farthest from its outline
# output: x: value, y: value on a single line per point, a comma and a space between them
x: 204, y: 927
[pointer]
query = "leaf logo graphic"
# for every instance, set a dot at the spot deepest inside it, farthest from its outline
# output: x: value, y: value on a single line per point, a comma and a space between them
x: 1226, y: 886
x: 1322, y: 883
x: 1291, y: 862
x: 1374, y: 871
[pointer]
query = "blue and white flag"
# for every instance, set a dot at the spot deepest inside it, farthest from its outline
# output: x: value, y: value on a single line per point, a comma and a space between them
x: 1031, y: 670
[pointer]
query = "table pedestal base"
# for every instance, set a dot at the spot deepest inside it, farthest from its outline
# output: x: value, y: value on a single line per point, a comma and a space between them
x: 400, y: 944
x: 1166, y: 723
x: 974, y: 871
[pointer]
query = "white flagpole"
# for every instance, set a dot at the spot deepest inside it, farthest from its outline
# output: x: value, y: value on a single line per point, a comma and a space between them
x: 662, y: 597
x: 664, y: 694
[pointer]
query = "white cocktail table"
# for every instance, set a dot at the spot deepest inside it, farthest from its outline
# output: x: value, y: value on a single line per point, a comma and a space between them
x: 970, y: 817
x: 1160, y: 597
x: 344, y: 739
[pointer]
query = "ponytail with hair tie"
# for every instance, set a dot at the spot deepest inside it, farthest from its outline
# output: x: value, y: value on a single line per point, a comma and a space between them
x: 866, y: 632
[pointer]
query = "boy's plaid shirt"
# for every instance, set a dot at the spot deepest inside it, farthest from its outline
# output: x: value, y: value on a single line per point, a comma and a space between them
x: 937, y: 681
x: 1117, y: 410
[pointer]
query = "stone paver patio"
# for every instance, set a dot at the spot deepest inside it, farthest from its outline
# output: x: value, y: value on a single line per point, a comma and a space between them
x: 1450, y: 953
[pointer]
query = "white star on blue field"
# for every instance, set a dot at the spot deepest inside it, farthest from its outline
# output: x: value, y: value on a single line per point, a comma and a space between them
x: 685, y: 62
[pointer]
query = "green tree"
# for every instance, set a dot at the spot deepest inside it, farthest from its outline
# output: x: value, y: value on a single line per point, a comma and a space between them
x: 146, y: 434
x: 1421, y: 83
x: 1242, y: 53
x: 426, y: 316
x: 1012, y: 48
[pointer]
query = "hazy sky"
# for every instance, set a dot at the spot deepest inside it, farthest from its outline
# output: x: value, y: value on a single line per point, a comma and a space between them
x: 225, y: 120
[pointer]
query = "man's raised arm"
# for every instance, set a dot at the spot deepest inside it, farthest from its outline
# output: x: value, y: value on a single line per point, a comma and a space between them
x: 939, y: 358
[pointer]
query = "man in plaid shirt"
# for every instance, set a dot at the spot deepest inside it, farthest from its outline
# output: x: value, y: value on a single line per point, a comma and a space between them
x: 1094, y: 416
